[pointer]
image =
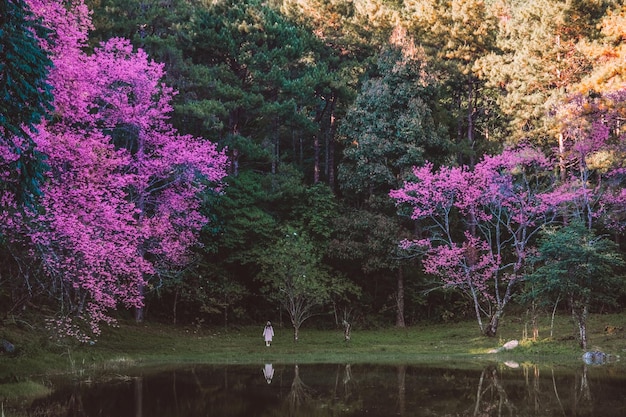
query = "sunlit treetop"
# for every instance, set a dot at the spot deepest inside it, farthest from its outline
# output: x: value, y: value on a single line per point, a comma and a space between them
x: 608, y: 55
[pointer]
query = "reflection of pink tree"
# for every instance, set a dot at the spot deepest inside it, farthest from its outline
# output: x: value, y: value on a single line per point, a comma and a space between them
x: 121, y: 201
x: 503, y: 203
x: 491, y: 397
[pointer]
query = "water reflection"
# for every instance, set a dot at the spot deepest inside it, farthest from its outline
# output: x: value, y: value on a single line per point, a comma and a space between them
x: 343, y: 390
x: 268, y: 372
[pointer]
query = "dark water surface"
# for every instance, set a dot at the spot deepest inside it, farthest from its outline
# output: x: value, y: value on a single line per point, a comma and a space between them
x: 343, y: 390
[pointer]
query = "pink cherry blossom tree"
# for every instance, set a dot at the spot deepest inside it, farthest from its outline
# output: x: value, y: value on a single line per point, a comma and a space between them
x: 122, y: 199
x: 479, y: 224
x: 609, y: 161
x: 594, y: 149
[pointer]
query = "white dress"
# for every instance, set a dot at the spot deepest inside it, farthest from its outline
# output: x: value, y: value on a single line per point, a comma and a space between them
x: 268, y: 333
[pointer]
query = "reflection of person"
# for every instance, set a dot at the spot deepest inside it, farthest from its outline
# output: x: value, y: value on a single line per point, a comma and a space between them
x: 268, y: 333
x: 268, y: 372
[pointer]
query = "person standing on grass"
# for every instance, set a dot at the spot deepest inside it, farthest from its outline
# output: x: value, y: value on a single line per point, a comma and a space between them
x: 268, y: 333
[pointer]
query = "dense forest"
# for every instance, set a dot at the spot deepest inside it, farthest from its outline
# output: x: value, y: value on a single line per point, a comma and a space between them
x: 345, y: 162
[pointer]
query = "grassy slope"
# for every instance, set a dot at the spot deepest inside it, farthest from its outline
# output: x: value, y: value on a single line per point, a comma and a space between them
x: 151, y: 344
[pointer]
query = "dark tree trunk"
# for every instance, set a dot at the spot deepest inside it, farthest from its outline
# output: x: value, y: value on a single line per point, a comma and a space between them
x: 316, y: 159
x: 331, y: 146
x: 175, y: 304
x: 470, y: 120
x: 400, y: 300
x: 492, y: 328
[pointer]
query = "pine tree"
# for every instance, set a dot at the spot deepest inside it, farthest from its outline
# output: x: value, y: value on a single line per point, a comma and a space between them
x: 388, y: 129
x: 25, y: 98
x: 457, y: 34
x: 577, y: 265
x: 607, y: 53
x: 537, y: 61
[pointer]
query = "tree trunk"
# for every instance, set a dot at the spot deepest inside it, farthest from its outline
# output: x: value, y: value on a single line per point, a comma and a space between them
x: 580, y: 317
x: 470, y: 121
x: 139, y: 310
x: 459, y: 130
x: 320, y: 119
x: 535, y: 326
x: 301, y: 147
x: 234, y: 163
x: 400, y: 300
x: 331, y: 164
x: 330, y: 146
x: 316, y: 159
x: 492, y: 328
x: 556, y: 303
x: 476, y: 307
x: 346, y: 331
x: 175, y: 304
x: 233, y: 128
x: 275, y: 148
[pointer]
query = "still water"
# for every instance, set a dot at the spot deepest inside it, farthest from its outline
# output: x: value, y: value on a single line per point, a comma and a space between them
x: 343, y: 390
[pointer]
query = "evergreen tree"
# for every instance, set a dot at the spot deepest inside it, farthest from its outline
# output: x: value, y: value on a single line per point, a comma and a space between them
x: 580, y: 267
x: 535, y: 78
x: 607, y: 53
x: 25, y: 97
x: 253, y: 83
x: 348, y: 37
x: 390, y: 127
x: 456, y: 35
x: 388, y: 130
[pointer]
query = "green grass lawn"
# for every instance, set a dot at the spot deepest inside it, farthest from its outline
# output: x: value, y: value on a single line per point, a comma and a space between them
x: 149, y: 344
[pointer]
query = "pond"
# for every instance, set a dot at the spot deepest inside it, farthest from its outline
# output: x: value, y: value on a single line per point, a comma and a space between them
x: 461, y: 389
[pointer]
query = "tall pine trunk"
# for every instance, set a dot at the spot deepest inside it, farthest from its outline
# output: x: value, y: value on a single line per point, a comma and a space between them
x: 330, y: 143
x: 316, y: 159
x: 400, y: 299
x: 470, y: 121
